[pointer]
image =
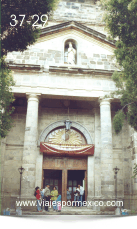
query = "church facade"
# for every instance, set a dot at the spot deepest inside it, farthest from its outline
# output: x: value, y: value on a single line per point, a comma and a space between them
x: 62, y: 132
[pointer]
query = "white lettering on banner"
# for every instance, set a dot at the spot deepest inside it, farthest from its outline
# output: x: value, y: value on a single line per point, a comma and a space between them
x: 63, y: 202
x: 69, y: 203
x: 101, y: 203
x: 84, y: 203
x: 89, y: 203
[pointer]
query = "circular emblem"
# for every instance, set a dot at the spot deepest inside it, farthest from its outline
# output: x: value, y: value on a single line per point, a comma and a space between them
x: 61, y: 136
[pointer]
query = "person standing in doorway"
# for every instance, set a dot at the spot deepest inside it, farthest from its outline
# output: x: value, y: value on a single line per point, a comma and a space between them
x: 68, y: 195
x: 81, y: 193
x: 76, y: 196
x: 54, y: 195
x: 47, y: 196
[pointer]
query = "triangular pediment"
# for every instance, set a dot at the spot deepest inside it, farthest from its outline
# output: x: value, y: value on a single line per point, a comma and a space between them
x: 74, y: 27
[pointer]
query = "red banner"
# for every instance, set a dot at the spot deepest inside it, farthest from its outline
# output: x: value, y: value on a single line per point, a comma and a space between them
x: 66, y: 150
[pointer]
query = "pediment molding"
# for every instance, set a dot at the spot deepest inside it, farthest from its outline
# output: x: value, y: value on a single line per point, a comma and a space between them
x: 54, y: 31
x: 75, y: 34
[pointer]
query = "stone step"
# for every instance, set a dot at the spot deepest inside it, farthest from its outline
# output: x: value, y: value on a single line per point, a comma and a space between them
x: 65, y: 211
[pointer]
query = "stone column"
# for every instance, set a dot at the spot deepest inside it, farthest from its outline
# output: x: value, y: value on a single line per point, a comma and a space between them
x: 90, y: 172
x: 39, y: 169
x: 30, y: 146
x: 107, y: 174
x: 97, y: 153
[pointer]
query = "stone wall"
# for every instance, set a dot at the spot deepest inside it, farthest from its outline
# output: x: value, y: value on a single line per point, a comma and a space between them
x: 49, y: 115
x: 94, y: 57
x: 87, y: 12
x: 132, y: 199
x: 123, y: 160
x: 83, y: 11
x: 12, y: 153
x: 90, y: 119
x: 16, y: 134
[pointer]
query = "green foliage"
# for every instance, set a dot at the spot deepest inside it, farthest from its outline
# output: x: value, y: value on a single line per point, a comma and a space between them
x: 134, y: 171
x: 121, y: 21
x: 7, y: 97
x: 132, y: 115
x: 17, y: 38
x: 118, y: 121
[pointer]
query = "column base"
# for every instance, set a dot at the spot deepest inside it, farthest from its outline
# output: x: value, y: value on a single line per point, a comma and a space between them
x: 91, y: 203
x: 118, y: 211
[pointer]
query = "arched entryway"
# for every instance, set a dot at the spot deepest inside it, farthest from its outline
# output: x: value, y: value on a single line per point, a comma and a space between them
x: 65, y: 157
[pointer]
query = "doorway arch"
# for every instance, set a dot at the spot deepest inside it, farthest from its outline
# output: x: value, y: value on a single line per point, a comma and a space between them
x: 60, y: 124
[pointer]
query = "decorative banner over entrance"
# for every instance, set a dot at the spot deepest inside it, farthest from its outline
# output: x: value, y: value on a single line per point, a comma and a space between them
x: 66, y: 150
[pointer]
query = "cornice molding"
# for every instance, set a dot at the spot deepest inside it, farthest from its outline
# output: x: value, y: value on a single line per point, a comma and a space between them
x: 78, y: 70
x: 62, y: 69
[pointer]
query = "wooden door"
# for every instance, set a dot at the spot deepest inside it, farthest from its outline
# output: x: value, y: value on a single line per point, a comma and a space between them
x: 53, y: 182
x: 64, y: 164
x: 75, y: 178
x: 53, y: 179
x: 72, y: 185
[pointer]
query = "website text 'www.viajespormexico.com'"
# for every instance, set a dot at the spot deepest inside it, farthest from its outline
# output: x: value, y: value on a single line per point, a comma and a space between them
x: 71, y: 203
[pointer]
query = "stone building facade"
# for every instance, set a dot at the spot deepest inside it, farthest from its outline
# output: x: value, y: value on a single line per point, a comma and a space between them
x: 48, y: 91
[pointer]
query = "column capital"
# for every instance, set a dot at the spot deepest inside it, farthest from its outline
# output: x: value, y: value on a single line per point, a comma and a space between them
x: 104, y: 101
x: 33, y: 96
